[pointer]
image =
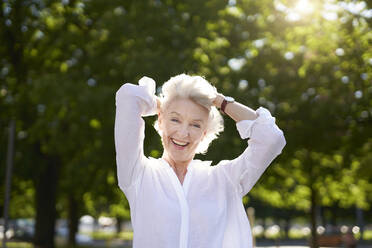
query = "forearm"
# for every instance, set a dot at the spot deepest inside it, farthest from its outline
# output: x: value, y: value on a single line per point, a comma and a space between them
x: 266, y: 142
x: 236, y: 110
x: 132, y: 102
x: 128, y: 136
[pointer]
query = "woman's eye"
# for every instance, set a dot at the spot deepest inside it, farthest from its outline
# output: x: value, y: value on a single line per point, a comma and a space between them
x: 174, y: 120
x: 196, y: 125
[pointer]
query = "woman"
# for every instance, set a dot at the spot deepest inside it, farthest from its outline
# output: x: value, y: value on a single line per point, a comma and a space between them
x: 177, y: 201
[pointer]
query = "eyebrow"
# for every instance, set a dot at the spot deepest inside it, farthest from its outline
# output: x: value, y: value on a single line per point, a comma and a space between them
x: 174, y: 112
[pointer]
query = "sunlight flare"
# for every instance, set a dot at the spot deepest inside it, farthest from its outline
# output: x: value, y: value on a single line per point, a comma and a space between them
x: 304, y: 7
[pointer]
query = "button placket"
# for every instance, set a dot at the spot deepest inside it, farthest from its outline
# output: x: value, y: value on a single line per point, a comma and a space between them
x: 181, y: 191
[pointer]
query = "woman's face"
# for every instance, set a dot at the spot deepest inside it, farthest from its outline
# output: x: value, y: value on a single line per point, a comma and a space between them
x: 183, y: 124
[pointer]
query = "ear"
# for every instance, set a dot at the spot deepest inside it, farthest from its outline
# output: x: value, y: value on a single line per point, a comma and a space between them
x: 160, y: 117
x: 204, y: 134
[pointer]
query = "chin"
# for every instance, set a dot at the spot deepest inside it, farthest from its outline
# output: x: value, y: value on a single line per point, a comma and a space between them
x: 176, y: 154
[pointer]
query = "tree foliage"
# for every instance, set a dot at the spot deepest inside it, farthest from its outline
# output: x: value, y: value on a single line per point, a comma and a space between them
x: 62, y: 62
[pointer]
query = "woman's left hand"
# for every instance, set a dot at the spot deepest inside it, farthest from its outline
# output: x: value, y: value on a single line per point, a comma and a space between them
x: 217, y: 102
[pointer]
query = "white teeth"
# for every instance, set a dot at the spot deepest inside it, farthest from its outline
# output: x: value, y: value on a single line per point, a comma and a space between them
x: 179, y: 143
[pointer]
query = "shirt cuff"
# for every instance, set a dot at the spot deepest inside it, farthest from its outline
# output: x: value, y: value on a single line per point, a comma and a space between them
x: 245, y: 126
x: 149, y: 85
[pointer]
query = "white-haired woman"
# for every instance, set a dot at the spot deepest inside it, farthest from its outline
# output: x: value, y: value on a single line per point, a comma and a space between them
x: 177, y: 201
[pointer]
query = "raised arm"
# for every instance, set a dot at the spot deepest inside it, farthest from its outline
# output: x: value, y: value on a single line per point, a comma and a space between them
x: 132, y: 102
x: 265, y: 143
x: 237, y: 111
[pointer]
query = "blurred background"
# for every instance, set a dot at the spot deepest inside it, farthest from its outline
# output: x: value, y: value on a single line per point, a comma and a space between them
x: 61, y: 62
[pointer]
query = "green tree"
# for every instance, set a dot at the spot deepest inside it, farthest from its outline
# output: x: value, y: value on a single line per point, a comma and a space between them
x: 307, y: 69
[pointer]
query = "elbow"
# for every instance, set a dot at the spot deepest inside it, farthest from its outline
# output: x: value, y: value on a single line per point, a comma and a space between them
x: 278, y: 140
x: 124, y: 92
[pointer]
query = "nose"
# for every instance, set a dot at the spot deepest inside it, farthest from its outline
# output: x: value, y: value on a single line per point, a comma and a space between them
x: 183, y: 132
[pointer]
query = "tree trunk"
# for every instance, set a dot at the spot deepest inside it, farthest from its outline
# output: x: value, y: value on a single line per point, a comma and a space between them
x: 8, y: 177
x: 287, y: 225
x: 313, y: 214
x: 46, y: 187
x: 119, y: 221
x: 333, y: 214
x: 360, y: 221
x: 323, y: 216
x: 73, y: 220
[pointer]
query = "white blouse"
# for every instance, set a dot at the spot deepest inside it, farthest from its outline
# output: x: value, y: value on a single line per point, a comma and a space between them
x: 206, y: 210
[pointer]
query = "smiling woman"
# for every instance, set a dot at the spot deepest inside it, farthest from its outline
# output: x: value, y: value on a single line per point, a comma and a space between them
x: 184, y: 125
x: 177, y: 201
x: 200, y: 94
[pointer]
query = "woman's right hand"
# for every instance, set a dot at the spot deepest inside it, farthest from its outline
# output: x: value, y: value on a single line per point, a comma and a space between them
x: 149, y: 85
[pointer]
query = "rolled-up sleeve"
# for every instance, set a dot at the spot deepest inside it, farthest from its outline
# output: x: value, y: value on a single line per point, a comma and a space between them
x: 266, y: 142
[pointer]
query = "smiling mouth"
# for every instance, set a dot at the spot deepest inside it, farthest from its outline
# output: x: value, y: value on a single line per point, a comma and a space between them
x: 179, y: 143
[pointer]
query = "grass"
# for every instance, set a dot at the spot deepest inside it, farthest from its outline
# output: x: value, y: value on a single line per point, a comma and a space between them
x: 293, y: 234
x: 108, y: 236
x: 368, y: 235
x: 18, y: 245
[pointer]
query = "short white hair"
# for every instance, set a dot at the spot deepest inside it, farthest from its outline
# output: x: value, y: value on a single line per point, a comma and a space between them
x: 201, y: 92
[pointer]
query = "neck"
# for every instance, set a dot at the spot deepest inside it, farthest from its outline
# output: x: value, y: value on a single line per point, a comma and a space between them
x: 180, y: 167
